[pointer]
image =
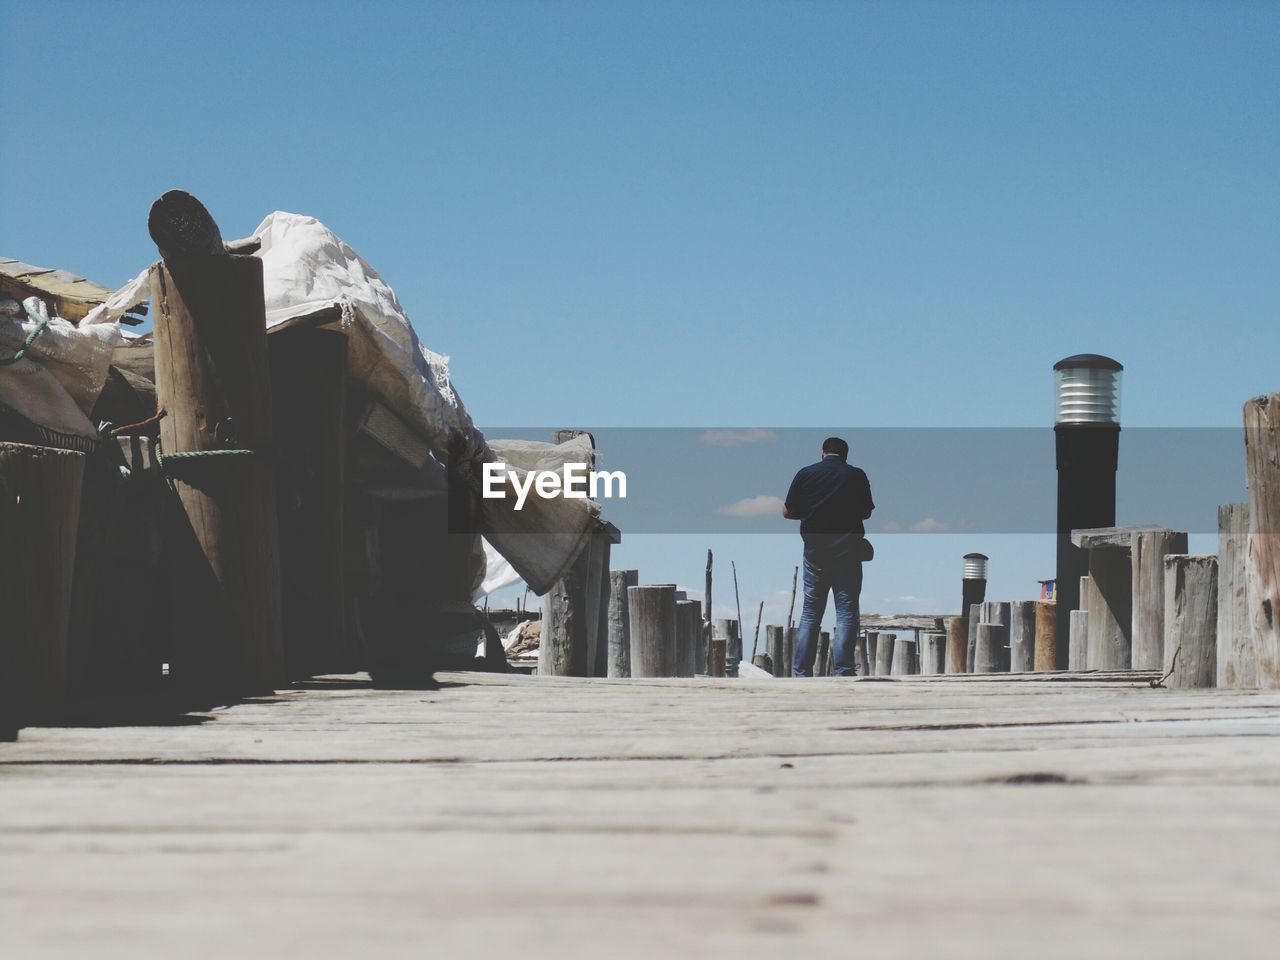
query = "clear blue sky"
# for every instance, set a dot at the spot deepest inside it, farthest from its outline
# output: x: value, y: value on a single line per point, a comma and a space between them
x: 710, y: 214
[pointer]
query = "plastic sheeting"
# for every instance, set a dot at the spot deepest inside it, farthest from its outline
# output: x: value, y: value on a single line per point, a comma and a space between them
x: 57, y: 382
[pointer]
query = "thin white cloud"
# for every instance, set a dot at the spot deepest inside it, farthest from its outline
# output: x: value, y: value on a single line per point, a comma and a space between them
x: 761, y: 506
x: 735, y: 438
x: 929, y: 525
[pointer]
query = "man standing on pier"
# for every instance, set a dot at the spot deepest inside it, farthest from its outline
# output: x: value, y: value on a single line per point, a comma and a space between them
x: 830, y: 498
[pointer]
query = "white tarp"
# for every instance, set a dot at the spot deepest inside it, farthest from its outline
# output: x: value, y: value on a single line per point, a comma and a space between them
x: 308, y: 268
x: 57, y: 382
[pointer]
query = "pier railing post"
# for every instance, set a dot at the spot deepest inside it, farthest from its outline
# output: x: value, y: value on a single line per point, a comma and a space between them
x: 619, y: 619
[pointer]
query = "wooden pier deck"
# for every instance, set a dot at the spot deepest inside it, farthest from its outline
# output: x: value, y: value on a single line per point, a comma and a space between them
x: 502, y: 816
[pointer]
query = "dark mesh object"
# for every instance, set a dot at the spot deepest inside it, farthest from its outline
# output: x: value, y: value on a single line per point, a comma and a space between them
x: 182, y: 227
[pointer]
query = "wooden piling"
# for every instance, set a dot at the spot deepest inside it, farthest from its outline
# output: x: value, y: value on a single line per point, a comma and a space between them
x: 820, y: 665
x: 1191, y: 620
x: 884, y: 654
x: 1078, y: 642
x: 212, y: 379
x: 793, y: 635
x: 1022, y: 636
x: 652, y: 611
x: 861, y: 661
x: 1237, y: 652
x: 1147, y: 552
x: 566, y: 624
x: 1046, y: 653
x: 716, y: 667
x: 1262, y: 457
x: 975, y: 617
x: 988, y: 654
x: 41, y: 487
x: 957, y: 644
x: 727, y: 630
x: 619, y: 631
x: 776, y: 642
x: 688, y: 637
x: 933, y: 653
x: 308, y: 377
x: 906, y: 659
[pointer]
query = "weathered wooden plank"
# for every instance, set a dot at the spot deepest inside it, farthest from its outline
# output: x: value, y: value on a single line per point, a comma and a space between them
x: 1110, y: 609
x: 1046, y: 657
x: 619, y: 627
x: 652, y: 610
x: 1191, y: 620
x: 1237, y: 649
x: 1022, y: 635
x: 1262, y: 458
x: 957, y: 644
x: 1147, y: 552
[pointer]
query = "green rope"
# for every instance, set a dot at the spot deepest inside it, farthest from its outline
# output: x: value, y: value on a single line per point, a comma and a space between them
x: 187, y: 455
x: 41, y: 323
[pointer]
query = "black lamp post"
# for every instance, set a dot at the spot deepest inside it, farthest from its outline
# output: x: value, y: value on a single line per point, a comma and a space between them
x: 1087, y: 430
x: 974, y: 586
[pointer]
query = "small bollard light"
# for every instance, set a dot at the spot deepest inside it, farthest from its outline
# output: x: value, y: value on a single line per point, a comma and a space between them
x: 975, y: 566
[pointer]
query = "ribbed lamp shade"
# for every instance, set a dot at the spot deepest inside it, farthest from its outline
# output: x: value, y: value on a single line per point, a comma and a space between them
x: 1087, y: 389
x: 975, y: 566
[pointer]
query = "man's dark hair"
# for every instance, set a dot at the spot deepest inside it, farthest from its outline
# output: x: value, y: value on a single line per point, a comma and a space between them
x: 837, y: 446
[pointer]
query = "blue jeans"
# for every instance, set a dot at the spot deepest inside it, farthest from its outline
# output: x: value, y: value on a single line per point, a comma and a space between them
x: 843, y: 576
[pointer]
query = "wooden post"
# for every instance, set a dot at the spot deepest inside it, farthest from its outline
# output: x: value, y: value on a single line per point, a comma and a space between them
x: 776, y: 641
x: 933, y: 652
x: 989, y: 653
x: 1237, y: 655
x: 906, y: 660
x: 957, y: 644
x: 792, y: 609
x: 562, y: 650
x: 1046, y: 655
x: 308, y: 379
x: 727, y: 630
x: 41, y: 488
x: 688, y: 637
x: 602, y: 541
x: 652, y: 611
x: 1191, y: 620
x: 212, y: 379
x: 1262, y: 456
x: 873, y: 642
x: 619, y: 663
x: 705, y: 662
x: 884, y: 653
x: 824, y: 650
x: 1022, y: 636
x: 975, y: 617
x: 1110, y: 610
x: 793, y: 635
x: 1078, y: 646
x: 1147, y: 552
x: 755, y: 640
x: 716, y: 667
x: 861, y: 662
